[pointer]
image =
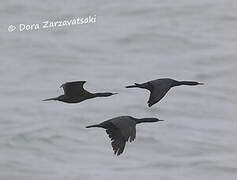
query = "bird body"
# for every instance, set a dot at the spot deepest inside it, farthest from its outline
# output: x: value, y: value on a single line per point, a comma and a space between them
x: 74, y: 92
x: 159, y: 87
x: 122, y: 129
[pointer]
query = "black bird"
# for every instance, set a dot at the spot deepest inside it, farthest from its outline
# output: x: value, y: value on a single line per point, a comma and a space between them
x: 159, y: 87
x: 121, y: 129
x: 75, y: 93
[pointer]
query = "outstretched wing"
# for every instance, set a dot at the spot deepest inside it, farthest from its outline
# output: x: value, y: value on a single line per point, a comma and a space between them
x: 74, y: 88
x: 158, y: 91
x: 118, y: 141
x: 127, y: 126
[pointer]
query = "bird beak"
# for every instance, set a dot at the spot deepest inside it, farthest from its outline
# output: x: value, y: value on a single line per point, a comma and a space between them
x: 200, y: 83
x: 114, y: 93
x: 161, y: 120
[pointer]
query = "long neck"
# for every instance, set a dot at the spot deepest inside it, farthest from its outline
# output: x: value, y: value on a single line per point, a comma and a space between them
x: 145, y: 120
x: 105, y: 94
x: 188, y: 83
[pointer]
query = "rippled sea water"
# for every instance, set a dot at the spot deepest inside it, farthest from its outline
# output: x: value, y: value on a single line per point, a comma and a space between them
x: 130, y: 42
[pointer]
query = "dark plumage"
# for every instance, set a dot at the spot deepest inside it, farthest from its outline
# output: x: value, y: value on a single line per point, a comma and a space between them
x: 121, y: 129
x: 160, y: 87
x: 74, y: 92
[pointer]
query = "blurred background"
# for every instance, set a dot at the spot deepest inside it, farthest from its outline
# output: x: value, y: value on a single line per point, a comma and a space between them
x: 130, y: 42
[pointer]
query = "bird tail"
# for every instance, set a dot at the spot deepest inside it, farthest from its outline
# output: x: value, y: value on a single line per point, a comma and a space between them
x: 96, y: 125
x: 133, y: 86
x: 50, y: 99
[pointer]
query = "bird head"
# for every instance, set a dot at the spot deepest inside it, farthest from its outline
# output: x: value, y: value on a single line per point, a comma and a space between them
x: 107, y: 94
x: 144, y: 120
x: 156, y: 119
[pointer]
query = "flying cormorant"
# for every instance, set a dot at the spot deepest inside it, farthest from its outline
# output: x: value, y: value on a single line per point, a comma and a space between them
x: 159, y: 87
x: 75, y: 93
x: 121, y: 129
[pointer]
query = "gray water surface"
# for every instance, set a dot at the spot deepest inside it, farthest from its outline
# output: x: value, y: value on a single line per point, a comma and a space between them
x: 130, y: 42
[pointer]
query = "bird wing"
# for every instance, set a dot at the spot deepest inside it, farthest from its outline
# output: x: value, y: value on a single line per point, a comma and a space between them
x: 127, y: 126
x: 120, y: 130
x: 158, y: 91
x: 118, y: 141
x: 74, y: 88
